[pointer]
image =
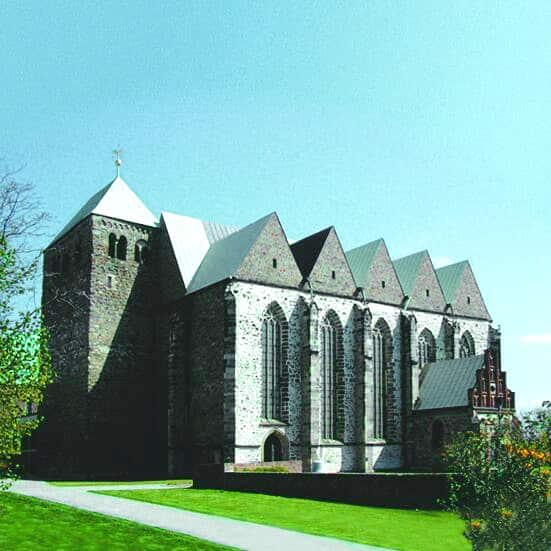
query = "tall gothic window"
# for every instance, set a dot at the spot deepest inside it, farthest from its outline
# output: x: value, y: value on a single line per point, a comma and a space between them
x: 466, y: 345
x: 382, y: 353
x: 274, y: 328
x: 427, y: 348
x: 332, y: 383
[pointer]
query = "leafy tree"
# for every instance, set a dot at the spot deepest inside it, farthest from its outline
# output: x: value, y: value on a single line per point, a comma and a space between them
x: 25, y: 367
x: 501, y: 482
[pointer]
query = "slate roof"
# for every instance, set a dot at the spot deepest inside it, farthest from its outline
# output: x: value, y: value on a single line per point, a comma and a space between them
x: 450, y: 278
x: 361, y: 258
x: 115, y: 200
x: 191, y: 239
x: 446, y: 383
x: 224, y: 257
x: 307, y: 250
x: 407, y: 269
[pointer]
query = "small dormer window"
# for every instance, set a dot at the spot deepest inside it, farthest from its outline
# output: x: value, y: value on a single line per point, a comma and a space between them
x: 383, y: 284
x: 333, y: 274
x: 274, y: 262
x: 427, y: 292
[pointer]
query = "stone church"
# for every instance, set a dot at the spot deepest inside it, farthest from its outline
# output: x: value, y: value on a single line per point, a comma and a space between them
x: 178, y: 342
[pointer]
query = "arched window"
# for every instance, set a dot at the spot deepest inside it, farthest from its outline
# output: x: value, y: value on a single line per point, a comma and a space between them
x: 382, y: 357
x: 332, y: 383
x: 121, y: 248
x: 141, y: 251
x: 112, y: 245
x: 466, y: 345
x: 427, y: 348
x: 437, y: 436
x: 274, y: 337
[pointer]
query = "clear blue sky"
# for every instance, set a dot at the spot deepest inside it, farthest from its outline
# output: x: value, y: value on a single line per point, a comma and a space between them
x: 426, y: 123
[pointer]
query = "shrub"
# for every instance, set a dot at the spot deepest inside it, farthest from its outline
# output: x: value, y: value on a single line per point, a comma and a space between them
x: 500, y: 485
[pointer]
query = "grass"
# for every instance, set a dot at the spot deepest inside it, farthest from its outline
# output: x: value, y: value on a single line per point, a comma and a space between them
x: 407, y: 530
x: 118, y: 482
x: 28, y: 524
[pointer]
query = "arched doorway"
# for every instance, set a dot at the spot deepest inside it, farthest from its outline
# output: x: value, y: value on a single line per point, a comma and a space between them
x: 274, y: 448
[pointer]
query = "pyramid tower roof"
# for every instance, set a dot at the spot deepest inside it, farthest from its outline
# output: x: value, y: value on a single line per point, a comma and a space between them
x: 115, y: 200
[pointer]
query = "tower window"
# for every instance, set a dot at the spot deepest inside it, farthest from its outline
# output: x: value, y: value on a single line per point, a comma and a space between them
x: 274, y: 262
x: 112, y: 244
x: 121, y: 248
x: 383, y: 284
x: 141, y: 252
x: 109, y: 281
x: 427, y: 292
x: 468, y: 300
x: 333, y: 274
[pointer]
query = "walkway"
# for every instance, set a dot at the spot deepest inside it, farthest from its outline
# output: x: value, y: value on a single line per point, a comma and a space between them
x: 224, y: 531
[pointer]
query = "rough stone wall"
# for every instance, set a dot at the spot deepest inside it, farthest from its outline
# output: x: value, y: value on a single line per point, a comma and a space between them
x: 427, y: 281
x: 65, y: 305
x: 271, y: 245
x: 381, y: 270
x: 423, y: 455
x: 468, y: 299
x: 122, y: 379
x: 205, y: 315
x: 303, y: 426
x: 331, y: 261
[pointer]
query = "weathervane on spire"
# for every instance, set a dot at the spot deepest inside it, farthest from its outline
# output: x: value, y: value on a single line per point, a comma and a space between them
x: 118, y: 161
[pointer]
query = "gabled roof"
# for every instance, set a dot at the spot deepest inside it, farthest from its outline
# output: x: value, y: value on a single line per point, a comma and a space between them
x: 361, y: 258
x: 407, y: 269
x: 307, y: 250
x: 450, y: 278
x: 190, y: 239
x: 225, y: 256
x: 446, y: 383
x: 115, y: 200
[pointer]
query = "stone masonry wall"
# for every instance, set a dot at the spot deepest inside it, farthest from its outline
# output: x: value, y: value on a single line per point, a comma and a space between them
x: 65, y: 305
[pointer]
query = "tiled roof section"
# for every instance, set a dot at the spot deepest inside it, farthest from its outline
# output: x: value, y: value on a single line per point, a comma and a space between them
x: 115, y: 200
x: 407, y: 269
x: 225, y: 256
x: 190, y: 239
x: 446, y: 383
x: 307, y: 250
x: 360, y: 260
x: 450, y: 278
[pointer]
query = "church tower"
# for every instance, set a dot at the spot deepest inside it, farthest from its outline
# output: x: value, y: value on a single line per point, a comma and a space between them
x: 101, y: 415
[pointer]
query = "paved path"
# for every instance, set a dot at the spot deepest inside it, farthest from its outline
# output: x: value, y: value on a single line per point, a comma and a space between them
x: 225, y: 531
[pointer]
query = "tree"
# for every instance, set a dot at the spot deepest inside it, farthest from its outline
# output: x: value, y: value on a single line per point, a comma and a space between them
x: 25, y: 367
x: 501, y: 483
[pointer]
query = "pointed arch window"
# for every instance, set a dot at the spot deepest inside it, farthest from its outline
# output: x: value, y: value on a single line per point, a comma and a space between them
x: 382, y: 354
x: 332, y: 383
x: 427, y: 348
x: 466, y: 345
x: 122, y: 246
x: 274, y: 340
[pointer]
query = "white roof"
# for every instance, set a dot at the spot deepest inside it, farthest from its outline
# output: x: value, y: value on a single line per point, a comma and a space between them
x: 191, y: 239
x: 116, y: 200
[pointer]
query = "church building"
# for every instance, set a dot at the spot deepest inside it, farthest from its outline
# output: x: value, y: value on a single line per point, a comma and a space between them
x: 178, y: 342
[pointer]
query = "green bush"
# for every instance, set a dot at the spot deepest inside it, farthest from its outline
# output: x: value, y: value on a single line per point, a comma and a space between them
x: 500, y: 485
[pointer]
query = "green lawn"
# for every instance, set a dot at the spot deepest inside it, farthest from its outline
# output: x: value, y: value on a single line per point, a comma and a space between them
x: 28, y: 524
x: 407, y: 530
x: 118, y: 482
